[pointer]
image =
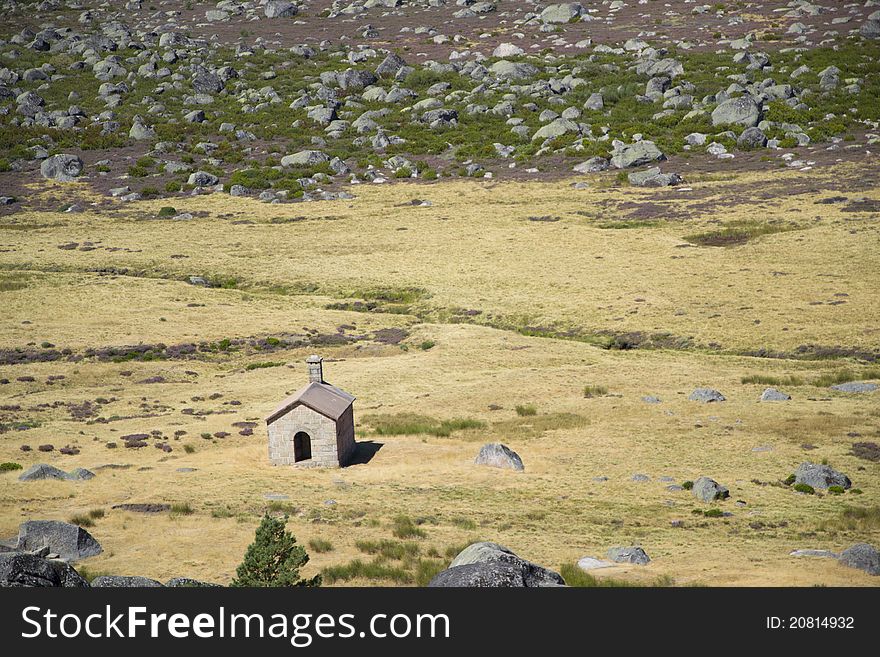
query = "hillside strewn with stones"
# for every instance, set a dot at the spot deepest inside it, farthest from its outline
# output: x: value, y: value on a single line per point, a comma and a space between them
x: 298, y: 101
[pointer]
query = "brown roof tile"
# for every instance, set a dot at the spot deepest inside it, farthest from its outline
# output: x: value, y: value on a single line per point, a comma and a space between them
x: 323, y: 398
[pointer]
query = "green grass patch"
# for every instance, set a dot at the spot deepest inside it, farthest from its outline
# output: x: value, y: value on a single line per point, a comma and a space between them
x: 737, y: 233
x: 370, y: 570
x: 402, y: 526
x: 845, y: 376
x: 855, y: 519
x: 263, y: 365
x: 83, y: 520
x: 576, y: 577
x: 387, y: 549
x: 591, y: 391
x: 320, y: 545
x: 526, y: 410
x: 181, y: 509
x: 411, y: 424
x: 768, y: 380
x: 9, y: 466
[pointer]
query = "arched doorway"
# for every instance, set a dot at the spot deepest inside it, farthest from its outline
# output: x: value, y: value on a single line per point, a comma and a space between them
x: 302, y: 447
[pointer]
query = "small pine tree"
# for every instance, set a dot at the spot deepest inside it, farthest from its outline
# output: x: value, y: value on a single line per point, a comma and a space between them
x: 274, y: 558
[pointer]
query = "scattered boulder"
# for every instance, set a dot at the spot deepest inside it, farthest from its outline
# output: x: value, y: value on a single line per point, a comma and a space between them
x: 140, y: 131
x: 653, y: 178
x: 709, y: 490
x: 513, y: 70
x: 855, y: 386
x: 591, y: 563
x: 187, y: 582
x: 595, y: 102
x: 390, y: 66
x: 496, y: 455
x: 870, y: 29
x: 485, y: 552
x: 593, y: 165
x: 751, y: 138
x: 814, y: 553
x: 820, y: 476
x: 202, y: 179
x: 70, y: 542
x: 280, y: 9
x: 634, y: 555
x: 480, y: 575
x: 772, y: 394
x: 556, y: 128
x: 507, y: 50
x: 737, y: 111
x: 862, y: 556
x: 304, y: 159
x: 42, y: 471
x: 80, y: 474
x: 564, y: 12
x: 19, y: 569
x: 63, y: 168
x: 123, y: 581
x: 635, y: 155
x: 706, y: 395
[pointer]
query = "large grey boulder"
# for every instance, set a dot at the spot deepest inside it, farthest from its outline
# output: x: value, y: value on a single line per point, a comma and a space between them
x: 862, y: 556
x: 202, y: 179
x: 634, y: 555
x: 668, y: 67
x: 556, y: 128
x: 80, y: 474
x: 206, y: 82
x: 592, y: 563
x: 486, y: 552
x: 772, y: 394
x: 496, y: 455
x: 124, y: 581
x: 70, y: 542
x: 653, y: 177
x: 737, y: 111
x: 564, y: 12
x: 19, y: 569
x: 636, y: 154
x: 752, y: 137
x: 508, y: 70
x: 855, y: 386
x: 188, y: 582
x: 62, y: 168
x: 480, y: 575
x: 870, y: 29
x: 709, y: 490
x: 140, y: 131
x: 706, y: 395
x: 42, y: 471
x: 280, y: 9
x: 305, y: 159
x: 354, y: 79
x: 595, y: 102
x: 389, y: 66
x: 820, y: 476
x: 593, y: 165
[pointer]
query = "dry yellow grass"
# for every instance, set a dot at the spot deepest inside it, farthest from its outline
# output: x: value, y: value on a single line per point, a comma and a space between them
x: 474, y: 249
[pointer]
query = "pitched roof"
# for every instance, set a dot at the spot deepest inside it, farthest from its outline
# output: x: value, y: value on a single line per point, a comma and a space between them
x: 323, y: 398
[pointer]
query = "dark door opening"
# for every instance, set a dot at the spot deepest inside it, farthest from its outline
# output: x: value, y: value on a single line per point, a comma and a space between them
x: 302, y: 447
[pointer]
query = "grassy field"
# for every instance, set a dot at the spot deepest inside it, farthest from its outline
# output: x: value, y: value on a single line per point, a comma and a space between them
x: 446, y: 318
